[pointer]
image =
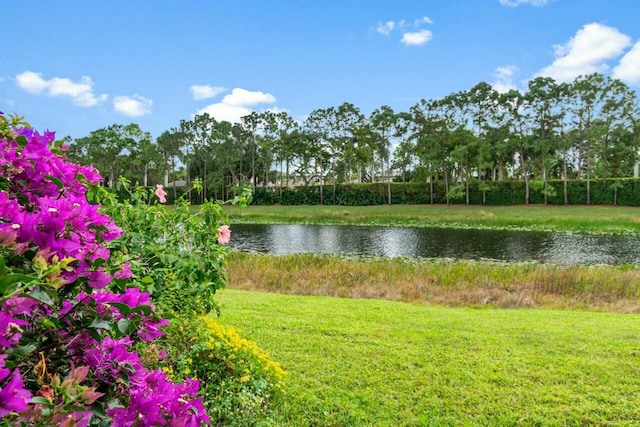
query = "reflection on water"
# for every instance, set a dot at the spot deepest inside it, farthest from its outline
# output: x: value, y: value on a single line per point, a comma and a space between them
x: 556, y: 248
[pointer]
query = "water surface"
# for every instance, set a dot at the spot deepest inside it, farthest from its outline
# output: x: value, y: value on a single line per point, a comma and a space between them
x: 512, y: 246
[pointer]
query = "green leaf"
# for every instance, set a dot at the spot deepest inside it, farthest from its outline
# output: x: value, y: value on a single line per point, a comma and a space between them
x: 23, y: 350
x: 94, y: 334
x: 127, y: 367
x: 40, y: 400
x: 98, y: 409
x: 10, y: 279
x: 51, y: 322
x: 125, y: 378
x: 124, y: 309
x: 22, y: 140
x: 124, y: 325
x: 100, y: 324
x: 144, y: 309
x: 3, y: 268
x: 42, y: 296
x: 56, y: 181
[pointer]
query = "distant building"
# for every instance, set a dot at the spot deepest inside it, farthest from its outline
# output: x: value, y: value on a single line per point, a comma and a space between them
x: 177, y: 184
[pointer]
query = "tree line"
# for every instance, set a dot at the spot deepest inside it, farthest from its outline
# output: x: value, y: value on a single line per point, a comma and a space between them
x: 585, y: 129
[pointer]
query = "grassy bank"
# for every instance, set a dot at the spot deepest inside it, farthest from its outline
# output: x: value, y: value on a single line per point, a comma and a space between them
x: 357, y: 362
x: 581, y: 219
x: 444, y: 282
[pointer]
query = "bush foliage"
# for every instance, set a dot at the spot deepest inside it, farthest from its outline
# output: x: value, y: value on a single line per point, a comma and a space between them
x: 87, y: 282
x: 623, y: 192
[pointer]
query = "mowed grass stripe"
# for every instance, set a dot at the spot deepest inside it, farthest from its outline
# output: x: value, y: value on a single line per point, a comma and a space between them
x: 383, y: 363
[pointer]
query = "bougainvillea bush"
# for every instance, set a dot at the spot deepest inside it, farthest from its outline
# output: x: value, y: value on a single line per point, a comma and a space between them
x: 70, y: 322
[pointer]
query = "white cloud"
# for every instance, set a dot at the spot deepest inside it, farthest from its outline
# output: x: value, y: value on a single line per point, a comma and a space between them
x: 586, y: 52
x: 205, y: 91
x: 386, y: 28
x: 134, y: 106
x: 416, y: 38
x: 81, y: 93
x: 31, y: 82
x: 246, y: 98
x: 504, y: 78
x: 237, y: 104
x: 423, y: 20
x: 628, y: 70
x: 222, y: 112
x: 516, y: 3
x: 277, y: 110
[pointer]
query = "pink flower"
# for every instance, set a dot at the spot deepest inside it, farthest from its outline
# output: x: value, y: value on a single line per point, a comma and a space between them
x: 162, y: 195
x: 224, y: 234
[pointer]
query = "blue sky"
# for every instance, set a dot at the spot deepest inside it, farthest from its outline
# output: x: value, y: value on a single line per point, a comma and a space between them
x: 74, y: 66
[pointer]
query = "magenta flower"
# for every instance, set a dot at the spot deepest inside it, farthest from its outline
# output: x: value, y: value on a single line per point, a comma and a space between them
x: 124, y: 272
x: 224, y: 234
x: 162, y: 195
x: 149, y: 330
x: 99, y: 279
x: 4, y: 372
x: 10, y: 330
x: 19, y: 305
x: 13, y: 396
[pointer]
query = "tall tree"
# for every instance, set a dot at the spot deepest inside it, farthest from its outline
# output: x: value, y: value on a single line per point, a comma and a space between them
x: 109, y: 148
x: 383, y: 121
x: 518, y: 120
x: 252, y: 124
x: 586, y: 103
x: 170, y: 144
x: 545, y: 101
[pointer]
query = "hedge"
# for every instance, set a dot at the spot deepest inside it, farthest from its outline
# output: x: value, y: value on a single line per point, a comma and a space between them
x: 502, y: 193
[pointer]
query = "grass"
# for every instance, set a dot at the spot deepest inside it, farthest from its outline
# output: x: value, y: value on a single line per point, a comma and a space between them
x: 436, y: 342
x: 580, y: 219
x: 444, y: 282
x: 354, y: 362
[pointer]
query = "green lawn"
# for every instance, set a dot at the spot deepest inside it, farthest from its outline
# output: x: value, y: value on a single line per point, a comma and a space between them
x: 354, y: 362
x: 586, y: 219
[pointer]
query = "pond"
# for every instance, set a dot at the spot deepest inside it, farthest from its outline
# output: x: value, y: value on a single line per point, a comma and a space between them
x: 511, y: 246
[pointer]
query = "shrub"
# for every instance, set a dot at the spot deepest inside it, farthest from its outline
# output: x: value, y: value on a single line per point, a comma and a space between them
x: 69, y: 319
x: 240, y: 384
x: 176, y: 254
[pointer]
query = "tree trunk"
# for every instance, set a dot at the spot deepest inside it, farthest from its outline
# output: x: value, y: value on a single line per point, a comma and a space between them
x: 565, y: 179
x: 389, y: 180
x: 544, y: 180
x: 431, y: 189
x: 525, y: 176
x: 173, y: 171
x: 253, y: 164
x: 204, y: 179
x: 446, y: 184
